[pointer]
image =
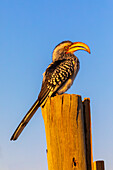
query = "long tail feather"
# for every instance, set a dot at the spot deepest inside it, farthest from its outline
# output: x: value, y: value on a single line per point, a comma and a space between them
x: 25, y: 120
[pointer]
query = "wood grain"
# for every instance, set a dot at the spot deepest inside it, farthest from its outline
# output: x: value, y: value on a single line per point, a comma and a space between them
x: 64, y: 127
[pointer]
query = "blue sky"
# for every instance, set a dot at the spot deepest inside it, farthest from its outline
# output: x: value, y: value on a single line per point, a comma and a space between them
x: 29, y: 31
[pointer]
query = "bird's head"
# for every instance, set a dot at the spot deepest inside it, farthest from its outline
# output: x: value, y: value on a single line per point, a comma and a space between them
x: 66, y: 47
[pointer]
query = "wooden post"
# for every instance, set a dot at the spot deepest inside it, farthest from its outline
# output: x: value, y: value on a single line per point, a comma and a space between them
x: 98, y: 165
x: 64, y: 126
x: 88, y: 133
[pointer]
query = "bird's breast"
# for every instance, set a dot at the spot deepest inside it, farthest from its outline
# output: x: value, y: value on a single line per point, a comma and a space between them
x: 70, y: 81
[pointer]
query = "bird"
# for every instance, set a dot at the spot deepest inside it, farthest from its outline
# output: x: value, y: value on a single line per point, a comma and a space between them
x: 57, y: 78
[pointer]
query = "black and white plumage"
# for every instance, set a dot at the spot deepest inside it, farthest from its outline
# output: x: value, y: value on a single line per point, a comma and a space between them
x: 58, y: 77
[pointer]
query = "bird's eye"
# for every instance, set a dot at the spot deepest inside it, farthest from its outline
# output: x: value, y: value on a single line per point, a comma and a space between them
x: 66, y: 47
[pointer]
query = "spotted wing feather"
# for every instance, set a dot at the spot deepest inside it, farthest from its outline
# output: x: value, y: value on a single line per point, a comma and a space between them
x: 56, y: 75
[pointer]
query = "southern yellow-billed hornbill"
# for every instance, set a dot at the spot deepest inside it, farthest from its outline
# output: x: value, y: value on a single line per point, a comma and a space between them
x: 58, y: 77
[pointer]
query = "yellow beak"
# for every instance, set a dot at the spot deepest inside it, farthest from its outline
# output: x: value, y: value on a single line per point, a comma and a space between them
x: 78, y: 46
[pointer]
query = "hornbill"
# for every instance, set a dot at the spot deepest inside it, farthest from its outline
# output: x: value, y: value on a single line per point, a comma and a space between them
x: 57, y: 78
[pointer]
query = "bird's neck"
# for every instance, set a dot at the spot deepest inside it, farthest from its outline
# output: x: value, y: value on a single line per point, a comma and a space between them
x: 65, y: 56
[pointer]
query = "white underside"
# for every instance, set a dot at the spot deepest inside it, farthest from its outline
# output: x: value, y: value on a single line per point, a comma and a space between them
x: 65, y: 87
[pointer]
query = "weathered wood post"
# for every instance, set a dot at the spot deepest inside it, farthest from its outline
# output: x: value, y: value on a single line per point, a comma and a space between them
x: 64, y: 126
x: 88, y: 133
x: 68, y: 133
x: 98, y: 165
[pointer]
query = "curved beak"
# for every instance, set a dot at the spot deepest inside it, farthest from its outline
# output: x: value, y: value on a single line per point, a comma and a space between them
x: 78, y: 46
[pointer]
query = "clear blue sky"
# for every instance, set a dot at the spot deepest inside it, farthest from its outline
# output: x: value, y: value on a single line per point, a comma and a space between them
x: 29, y: 30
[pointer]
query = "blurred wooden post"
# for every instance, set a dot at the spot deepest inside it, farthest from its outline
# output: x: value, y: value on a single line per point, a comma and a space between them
x: 98, y: 165
x: 64, y: 126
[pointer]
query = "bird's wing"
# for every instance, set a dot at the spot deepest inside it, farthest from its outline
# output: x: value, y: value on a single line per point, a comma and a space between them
x: 56, y: 75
